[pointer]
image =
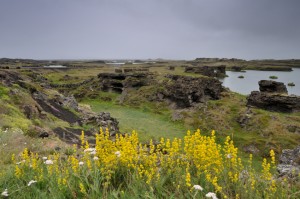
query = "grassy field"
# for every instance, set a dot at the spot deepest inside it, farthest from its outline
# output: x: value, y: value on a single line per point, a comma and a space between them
x: 147, y: 124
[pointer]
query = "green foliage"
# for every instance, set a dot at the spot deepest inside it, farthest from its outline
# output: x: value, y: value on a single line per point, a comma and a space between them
x: 273, y: 77
x: 4, y: 93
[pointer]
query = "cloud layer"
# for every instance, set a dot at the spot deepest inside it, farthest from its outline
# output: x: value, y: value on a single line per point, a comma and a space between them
x: 175, y: 29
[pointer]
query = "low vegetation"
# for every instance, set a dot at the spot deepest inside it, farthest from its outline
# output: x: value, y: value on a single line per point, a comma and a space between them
x: 195, y: 167
x: 273, y: 77
x: 162, y: 162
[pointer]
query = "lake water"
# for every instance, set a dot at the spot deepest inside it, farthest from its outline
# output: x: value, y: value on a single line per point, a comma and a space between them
x: 252, y: 77
x: 55, y: 66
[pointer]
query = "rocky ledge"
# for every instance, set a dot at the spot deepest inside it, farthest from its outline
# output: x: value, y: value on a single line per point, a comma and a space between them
x: 273, y: 96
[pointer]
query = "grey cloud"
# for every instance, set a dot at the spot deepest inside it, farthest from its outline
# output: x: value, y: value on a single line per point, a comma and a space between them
x: 178, y: 29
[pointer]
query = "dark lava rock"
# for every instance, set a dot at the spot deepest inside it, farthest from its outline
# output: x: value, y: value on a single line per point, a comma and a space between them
x: 210, y: 71
x: 8, y: 78
x: 70, y: 135
x: 69, y: 101
x: 289, y: 162
x: 186, y: 91
x: 272, y: 86
x: 117, y: 82
x: 274, y: 102
x: 102, y: 120
x: 53, y: 107
x: 44, y: 135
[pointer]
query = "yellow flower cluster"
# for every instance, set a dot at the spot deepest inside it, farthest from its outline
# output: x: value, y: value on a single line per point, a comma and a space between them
x: 197, y: 157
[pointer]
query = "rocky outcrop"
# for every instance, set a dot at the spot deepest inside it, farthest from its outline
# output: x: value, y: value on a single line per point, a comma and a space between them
x: 270, y: 86
x: 273, y: 97
x: 102, y: 120
x: 210, y: 71
x: 72, y: 135
x: 289, y: 162
x: 9, y: 78
x: 118, y: 82
x: 68, y: 102
x: 186, y: 91
x: 274, y: 102
x: 53, y: 107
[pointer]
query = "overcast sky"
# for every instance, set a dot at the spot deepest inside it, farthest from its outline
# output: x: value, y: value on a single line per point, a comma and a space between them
x: 141, y: 29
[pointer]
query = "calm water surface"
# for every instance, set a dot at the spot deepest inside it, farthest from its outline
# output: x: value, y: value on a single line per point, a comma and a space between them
x: 252, y: 77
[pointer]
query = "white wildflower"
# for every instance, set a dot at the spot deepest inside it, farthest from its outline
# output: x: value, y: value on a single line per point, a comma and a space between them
x: 118, y: 153
x: 81, y: 163
x: 211, y: 195
x: 96, y: 158
x: 229, y: 156
x: 4, y: 193
x: 48, y: 162
x: 20, y: 162
x: 89, y: 150
x: 44, y: 158
x: 198, y: 187
x: 93, y: 153
x: 31, y: 182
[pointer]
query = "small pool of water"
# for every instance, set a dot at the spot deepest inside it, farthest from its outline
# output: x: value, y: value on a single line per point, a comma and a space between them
x: 252, y: 77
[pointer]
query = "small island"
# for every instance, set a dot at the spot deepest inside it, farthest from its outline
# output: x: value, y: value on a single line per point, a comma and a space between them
x: 273, y: 77
x: 291, y: 84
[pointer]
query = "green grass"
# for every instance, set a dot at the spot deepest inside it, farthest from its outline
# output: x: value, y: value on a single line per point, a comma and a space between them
x: 146, y: 123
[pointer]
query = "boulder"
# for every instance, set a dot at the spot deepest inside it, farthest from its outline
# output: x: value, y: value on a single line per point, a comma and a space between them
x: 274, y: 102
x: 102, y: 120
x: 187, y: 91
x: 68, y: 102
x: 270, y: 86
x: 289, y: 162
